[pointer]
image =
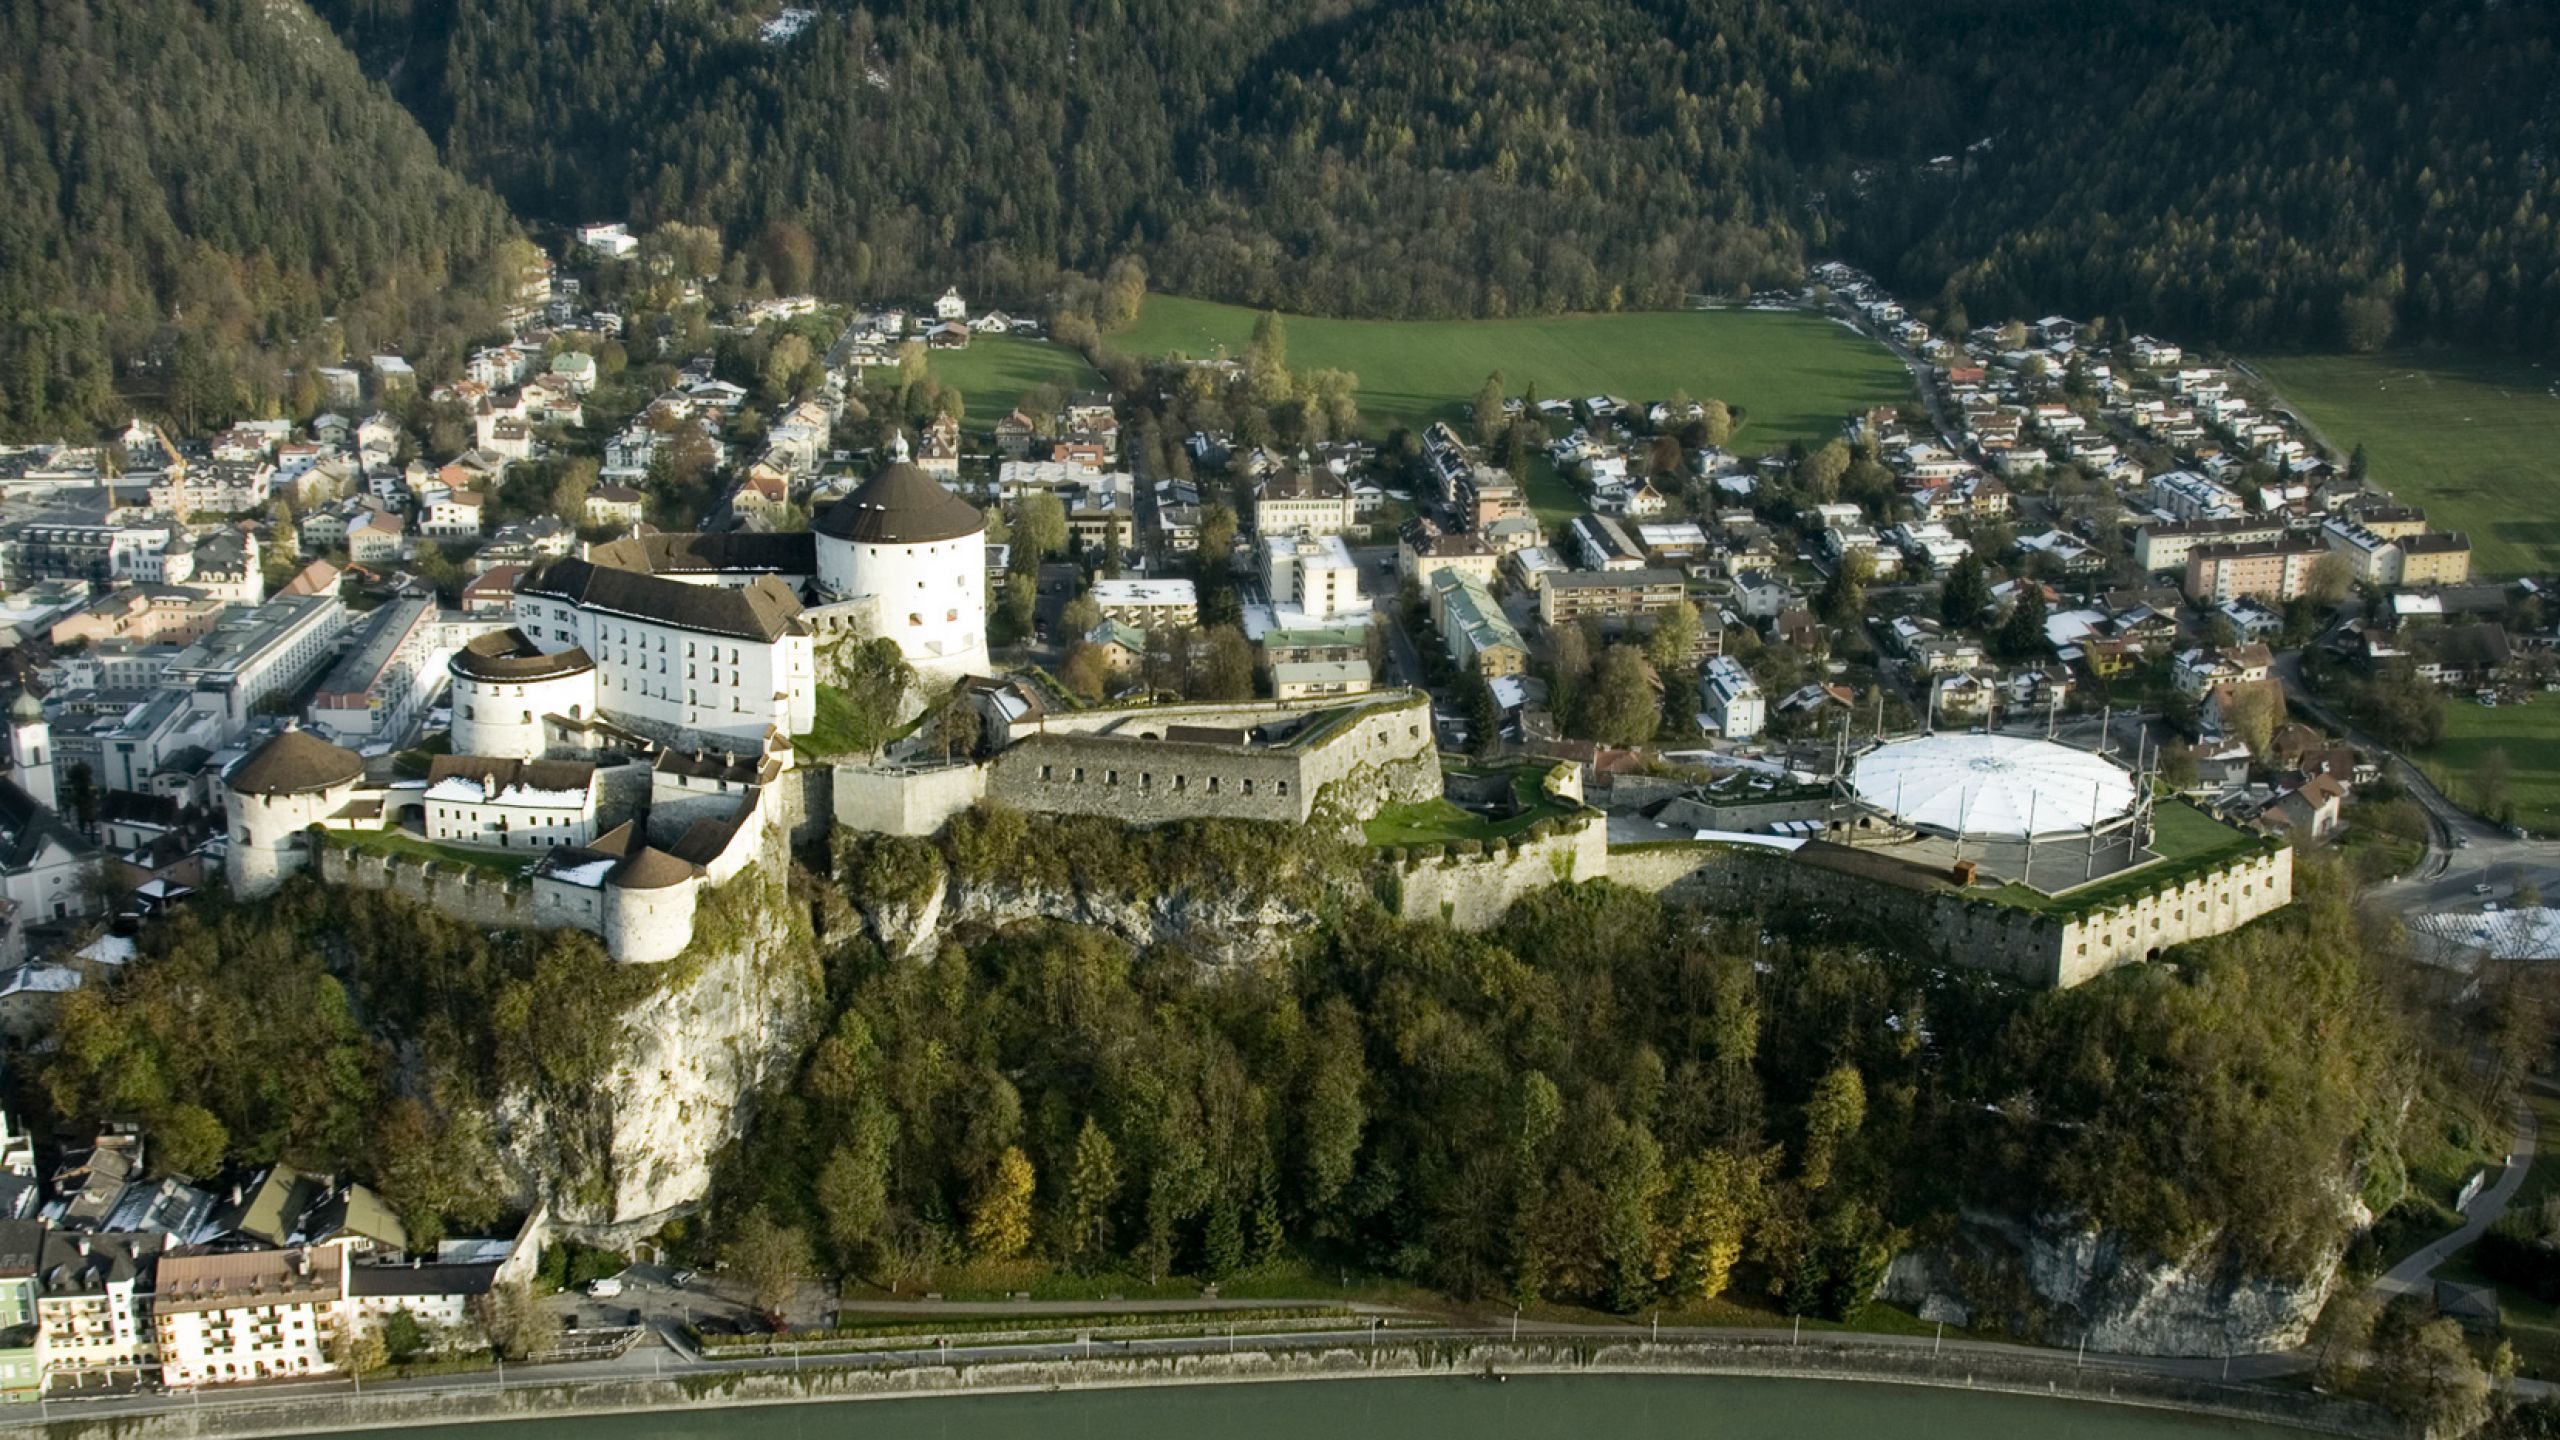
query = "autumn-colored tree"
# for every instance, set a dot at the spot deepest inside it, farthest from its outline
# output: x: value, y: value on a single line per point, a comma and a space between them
x: 1000, y: 1221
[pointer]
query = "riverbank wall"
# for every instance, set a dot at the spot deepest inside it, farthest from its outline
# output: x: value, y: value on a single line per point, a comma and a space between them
x: 532, y: 1398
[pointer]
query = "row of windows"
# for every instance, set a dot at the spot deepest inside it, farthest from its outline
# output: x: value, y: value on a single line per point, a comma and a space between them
x: 1146, y: 780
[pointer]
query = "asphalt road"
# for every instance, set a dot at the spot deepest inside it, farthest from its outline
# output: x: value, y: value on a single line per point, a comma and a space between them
x: 2412, y: 1274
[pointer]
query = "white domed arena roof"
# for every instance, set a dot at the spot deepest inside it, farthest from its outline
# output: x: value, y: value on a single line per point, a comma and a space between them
x: 1993, y: 785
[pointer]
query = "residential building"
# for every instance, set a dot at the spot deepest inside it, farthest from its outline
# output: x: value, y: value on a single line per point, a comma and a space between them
x: 1313, y: 575
x: 2195, y: 672
x: 1149, y: 604
x: 1604, y: 544
x: 2275, y: 569
x: 93, y: 1308
x: 2185, y: 495
x: 1480, y: 639
x: 2164, y: 545
x: 1423, y: 549
x: 232, y: 1316
x: 1611, y: 594
x: 1734, y: 704
x: 375, y: 689
x: 455, y: 515
x: 615, y: 505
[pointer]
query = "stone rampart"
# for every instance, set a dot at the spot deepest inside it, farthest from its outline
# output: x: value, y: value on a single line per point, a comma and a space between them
x: 1356, y: 758
x: 1469, y: 885
x: 476, y: 897
x: 2056, y: 946
x: 903, y: 799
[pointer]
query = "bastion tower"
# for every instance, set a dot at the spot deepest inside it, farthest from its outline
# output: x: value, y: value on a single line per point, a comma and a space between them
x: 915, y: 556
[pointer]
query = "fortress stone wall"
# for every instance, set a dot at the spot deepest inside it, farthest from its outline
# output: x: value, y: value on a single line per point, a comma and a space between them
x: 1122, y: 765
x: 475, y: 897
x: 2052, y: 949
x: 1471, y: 891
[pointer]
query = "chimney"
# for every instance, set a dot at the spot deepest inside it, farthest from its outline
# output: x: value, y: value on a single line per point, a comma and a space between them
x: 84, y: 1244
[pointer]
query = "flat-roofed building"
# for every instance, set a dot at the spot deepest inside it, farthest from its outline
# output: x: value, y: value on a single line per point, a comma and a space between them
x: 1149, y: 604
x: 1568, y: 596
x: 2275, y: 569
x: 1314, y: 679
x: 1313, y: 575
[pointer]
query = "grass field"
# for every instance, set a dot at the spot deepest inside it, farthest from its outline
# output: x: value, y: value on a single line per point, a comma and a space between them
x: 400, y: 844
x: 2474, y: 440
x: 1795, y: 377
x: 1438, y: 820
x: 2530, y: 734
x: 994, y: 371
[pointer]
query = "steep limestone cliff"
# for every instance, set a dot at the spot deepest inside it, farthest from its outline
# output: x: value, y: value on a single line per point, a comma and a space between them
x: 619, y: 1153
x: 2062, y: 1283
x: 910, y: 894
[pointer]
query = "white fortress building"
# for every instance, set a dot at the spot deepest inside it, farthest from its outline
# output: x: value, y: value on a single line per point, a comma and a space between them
x: 676, y: 660
x: 905, y: 558
x: 505, y: 691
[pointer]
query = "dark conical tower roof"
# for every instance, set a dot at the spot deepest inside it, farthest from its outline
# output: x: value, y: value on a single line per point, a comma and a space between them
x: 901, y: 505
x: 296, y: 762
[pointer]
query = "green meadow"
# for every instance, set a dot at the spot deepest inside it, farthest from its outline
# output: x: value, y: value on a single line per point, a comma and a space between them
x: 996, y: 369
x: 2474, y: 440
x: 1791, y: 377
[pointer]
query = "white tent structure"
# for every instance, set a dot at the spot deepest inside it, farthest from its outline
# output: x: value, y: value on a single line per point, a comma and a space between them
x: 1994, y: 786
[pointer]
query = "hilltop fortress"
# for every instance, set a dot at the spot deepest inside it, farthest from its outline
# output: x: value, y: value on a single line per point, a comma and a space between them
x: 626, y: 743
x: 625, y: 746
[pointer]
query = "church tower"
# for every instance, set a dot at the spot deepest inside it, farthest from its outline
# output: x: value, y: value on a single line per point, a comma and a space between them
x: 31, y: 748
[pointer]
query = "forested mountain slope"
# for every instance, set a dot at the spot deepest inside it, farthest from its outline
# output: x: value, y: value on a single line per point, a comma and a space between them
x: 220, y: 164
x: 2268, y: 171
x: 193, y: 186
x: 2281, y: 171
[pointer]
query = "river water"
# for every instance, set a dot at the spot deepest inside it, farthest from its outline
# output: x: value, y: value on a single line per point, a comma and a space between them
x: 1525, y: 1408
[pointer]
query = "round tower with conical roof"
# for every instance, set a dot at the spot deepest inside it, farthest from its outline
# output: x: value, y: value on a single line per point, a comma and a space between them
x: 918, y: 555
x: 291, y: 782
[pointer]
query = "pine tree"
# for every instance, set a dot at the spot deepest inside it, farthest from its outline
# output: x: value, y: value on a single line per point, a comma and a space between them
x: 1093, y: 1183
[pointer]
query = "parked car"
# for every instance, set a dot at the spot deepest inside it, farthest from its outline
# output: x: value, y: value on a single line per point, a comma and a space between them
x: 605, y: 1288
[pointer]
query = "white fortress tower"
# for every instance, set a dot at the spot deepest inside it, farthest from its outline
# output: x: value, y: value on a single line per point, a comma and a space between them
x: 31, y: 748
x: 503, y: 686
x: 914, y: 556
x: 284, y: 787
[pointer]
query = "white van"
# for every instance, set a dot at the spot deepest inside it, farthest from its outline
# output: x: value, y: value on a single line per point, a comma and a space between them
x: 606, y: 1288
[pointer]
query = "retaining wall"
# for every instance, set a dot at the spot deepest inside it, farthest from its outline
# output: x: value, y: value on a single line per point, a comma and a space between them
x: 2023, y: 1372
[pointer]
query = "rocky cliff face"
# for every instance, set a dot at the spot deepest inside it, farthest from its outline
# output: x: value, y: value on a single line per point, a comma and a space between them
x: 1231, y: 927
x: 617, y: 1157
x: 1227, y: 928
x: 2062, y: 1283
